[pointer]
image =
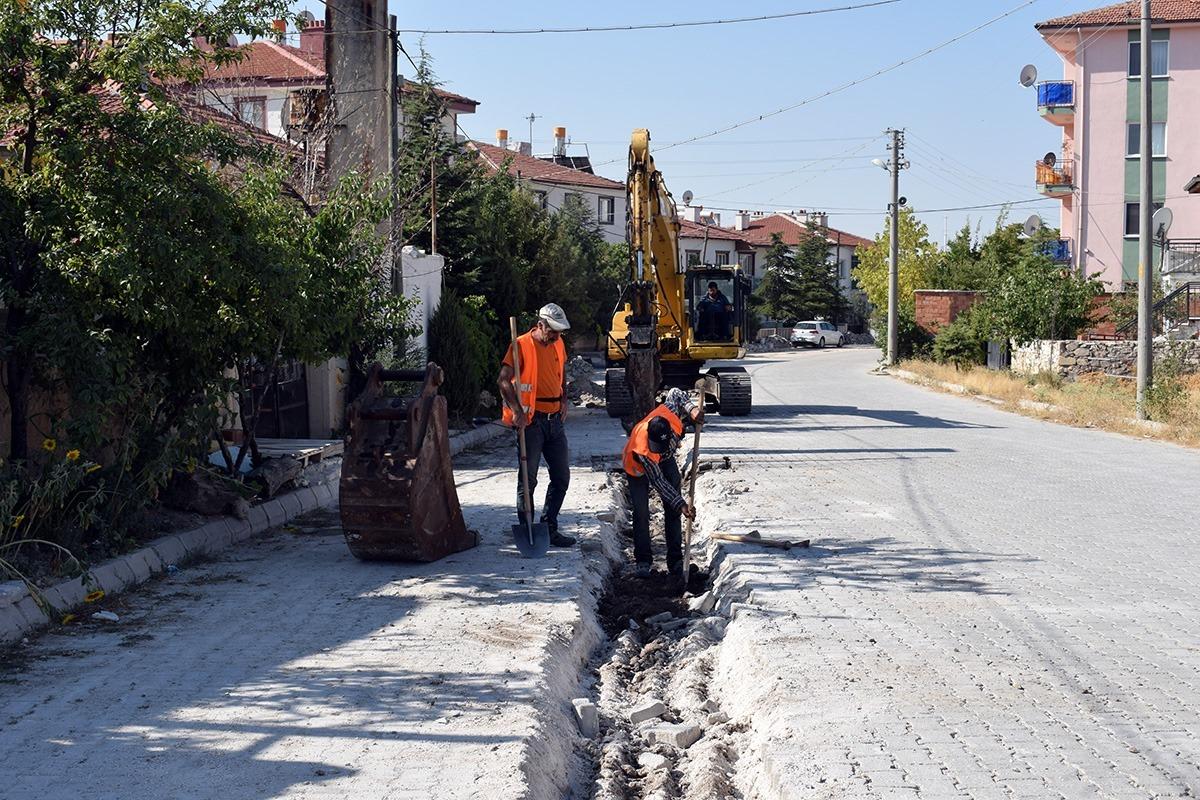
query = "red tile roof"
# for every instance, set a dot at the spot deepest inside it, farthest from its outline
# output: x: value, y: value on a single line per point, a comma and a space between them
x: 1128, y: 13
x: 274, y: 62
x: 761, y: 229
x: 535, y: 169
x: 695, y: 230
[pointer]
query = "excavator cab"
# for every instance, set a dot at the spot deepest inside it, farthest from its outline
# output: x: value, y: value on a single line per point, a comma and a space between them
x: 717, y: 305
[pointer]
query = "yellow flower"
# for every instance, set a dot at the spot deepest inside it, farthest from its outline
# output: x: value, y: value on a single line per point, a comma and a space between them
x: 72, y: 455
x: 94, y: 596
x: 191, y: 464
x: 18, y: 519
x: 92, y: 468
x: 68, y: 619
x: 49, y: 445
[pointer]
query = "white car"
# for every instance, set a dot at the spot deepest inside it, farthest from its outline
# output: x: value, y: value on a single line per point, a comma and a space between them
x: 816, y: 334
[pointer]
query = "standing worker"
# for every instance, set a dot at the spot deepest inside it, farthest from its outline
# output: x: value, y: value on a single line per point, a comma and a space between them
x: 540, y: 407
x: 649, y: 461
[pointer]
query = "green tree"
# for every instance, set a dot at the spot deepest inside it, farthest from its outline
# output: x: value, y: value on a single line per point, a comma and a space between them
x: 959, y: 266
x: 817, y: 293
x: 780, y: 282
x: 1037, y: 299
x: 917, y: 265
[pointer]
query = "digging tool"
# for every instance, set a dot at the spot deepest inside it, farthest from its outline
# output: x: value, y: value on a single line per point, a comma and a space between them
x: 754, y: 537
x: 687, y: 534
x: 532, y: 538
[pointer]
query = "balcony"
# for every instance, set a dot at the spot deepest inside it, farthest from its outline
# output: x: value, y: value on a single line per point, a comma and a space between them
x: 1057, y: 250
x: 1181, y: 261
x: 1056, y: 101
x: 1055, y: 181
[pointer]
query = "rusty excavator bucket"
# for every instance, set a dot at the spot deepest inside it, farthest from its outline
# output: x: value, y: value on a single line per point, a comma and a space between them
x: 398, y: 501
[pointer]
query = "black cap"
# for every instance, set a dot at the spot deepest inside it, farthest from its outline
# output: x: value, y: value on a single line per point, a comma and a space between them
x: 660, y: 435
x: 712, y: 284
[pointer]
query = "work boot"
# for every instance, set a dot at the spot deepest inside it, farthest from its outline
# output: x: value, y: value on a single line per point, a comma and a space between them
x: 558, y: 539
x: 643, y: 570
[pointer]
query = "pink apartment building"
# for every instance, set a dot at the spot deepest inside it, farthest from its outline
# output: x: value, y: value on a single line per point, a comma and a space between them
x: 1097, y: 105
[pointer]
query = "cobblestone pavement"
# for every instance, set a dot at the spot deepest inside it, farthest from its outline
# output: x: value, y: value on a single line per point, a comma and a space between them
x: 286, y: 668
x: 993, y: 606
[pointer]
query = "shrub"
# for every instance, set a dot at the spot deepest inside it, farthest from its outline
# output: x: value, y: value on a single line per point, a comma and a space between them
x: 914, y: 341
x: 461, y: 344
x: 961, y: 343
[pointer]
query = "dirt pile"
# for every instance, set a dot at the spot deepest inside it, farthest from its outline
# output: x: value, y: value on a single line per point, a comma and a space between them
x: 581, y: 387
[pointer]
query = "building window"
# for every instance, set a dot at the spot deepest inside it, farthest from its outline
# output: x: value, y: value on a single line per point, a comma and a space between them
x: 606, y: 210
x: 747, y: 262
x: 1159, y: 50
x: 691, y: 258
x: 1158, y: 138
x: 252, y: 111
x: 540, y: 199
x: 1133, y: 218
x: 723, y: 258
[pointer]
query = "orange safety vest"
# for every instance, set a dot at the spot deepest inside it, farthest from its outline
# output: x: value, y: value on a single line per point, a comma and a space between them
x: 527, y: 381
x: 639, y: 440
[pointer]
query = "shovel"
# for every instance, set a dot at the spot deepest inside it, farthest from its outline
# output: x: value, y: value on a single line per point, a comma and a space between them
x: 532, y: 539
x: 687, y: 536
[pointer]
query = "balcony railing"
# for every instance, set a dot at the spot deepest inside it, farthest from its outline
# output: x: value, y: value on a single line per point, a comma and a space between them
x: 1054, y: 180
x: 1182, y: 257
x: 1056, y: 94
x: 1057, y: 250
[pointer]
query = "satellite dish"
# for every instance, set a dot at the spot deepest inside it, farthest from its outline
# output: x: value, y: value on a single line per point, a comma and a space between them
x: 1028, y: 75
x: 687, y: 197
x: 903, y: 201
x: 1033, y: 225
x: 231, y: 41
x: 1050, y: 159
x: 1160, y: 223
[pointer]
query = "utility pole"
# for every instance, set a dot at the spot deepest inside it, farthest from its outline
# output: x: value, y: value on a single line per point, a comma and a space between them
x: 894, y: 166
x: 1145, y: 346
x: 531, y: 119
x: 393, y: 112
x: 433, y: 205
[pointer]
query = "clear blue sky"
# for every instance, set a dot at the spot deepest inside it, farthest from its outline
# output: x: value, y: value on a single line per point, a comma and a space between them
x: 974, y: 132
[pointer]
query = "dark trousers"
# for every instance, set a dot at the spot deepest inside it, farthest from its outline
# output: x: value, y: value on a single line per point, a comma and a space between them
x: 639, y: 498
x: 546, y: 436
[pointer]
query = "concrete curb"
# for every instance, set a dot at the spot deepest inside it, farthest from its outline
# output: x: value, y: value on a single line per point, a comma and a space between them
x: 20, y: 613
x: 477, y: 436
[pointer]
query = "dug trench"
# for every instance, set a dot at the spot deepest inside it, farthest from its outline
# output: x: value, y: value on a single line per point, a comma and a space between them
x: 652, y: 721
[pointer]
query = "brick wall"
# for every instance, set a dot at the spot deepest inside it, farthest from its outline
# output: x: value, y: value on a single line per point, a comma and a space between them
x: 936, y: 308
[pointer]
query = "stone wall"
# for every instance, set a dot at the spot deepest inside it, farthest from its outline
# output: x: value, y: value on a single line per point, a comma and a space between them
x: 1071, y: 358
x: 936, y: 308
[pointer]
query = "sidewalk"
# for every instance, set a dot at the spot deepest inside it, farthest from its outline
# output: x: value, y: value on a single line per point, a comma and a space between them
x: 286, y: 668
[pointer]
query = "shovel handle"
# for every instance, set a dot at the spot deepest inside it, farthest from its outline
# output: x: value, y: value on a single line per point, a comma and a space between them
x: 516, y: 353
x: 687, y: 538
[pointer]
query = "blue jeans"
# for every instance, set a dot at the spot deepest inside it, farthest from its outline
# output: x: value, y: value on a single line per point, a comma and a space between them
x: 546, y: 436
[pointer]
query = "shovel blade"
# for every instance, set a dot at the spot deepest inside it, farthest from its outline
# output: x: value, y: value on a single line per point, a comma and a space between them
x: 533, y: 544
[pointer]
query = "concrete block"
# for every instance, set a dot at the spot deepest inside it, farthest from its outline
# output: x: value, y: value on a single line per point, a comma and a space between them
x: 257, y: 517
x: 196, y: 541
x: 588, y: 717
x: 32, y: 612
x: 704, y: 603
x: 12, y: 592
x: 108, y: 577
x: 682, y: 735
x: 651, y: 708
x: 653, y: 762
x: 717, y: 718
x: 673, y: 625
x: 659, y: 618
x: 170, y: 551
x: 291, y: 505
x: 12, y: 624
x: 274, y: 512
x: 325, y: 494
x: 153, y: 562
x: 240, y: 530
x: 137, y: 564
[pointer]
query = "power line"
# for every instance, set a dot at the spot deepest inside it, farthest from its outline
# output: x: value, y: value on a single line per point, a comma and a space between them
x: 649, y: 25
x: 850, y: 84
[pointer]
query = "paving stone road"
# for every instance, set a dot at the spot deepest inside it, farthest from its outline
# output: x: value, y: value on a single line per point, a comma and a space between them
x: 993, y: 606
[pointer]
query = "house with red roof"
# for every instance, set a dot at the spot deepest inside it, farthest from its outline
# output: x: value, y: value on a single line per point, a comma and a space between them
x: 554, y: 179
x: 278, y: 86
x: 1092, y: 169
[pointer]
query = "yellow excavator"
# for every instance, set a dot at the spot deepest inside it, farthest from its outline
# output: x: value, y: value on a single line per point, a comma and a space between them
x: 667, y: 323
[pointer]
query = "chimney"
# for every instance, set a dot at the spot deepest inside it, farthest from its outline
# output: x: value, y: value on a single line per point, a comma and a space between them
x: 560, y: 141
x: 502, y: 138
x: 525, y: 148
x: 741, y: 221
x: 312, y: 37
x: 279, y: 27
x: 691, y: 213
x: 819, y: 218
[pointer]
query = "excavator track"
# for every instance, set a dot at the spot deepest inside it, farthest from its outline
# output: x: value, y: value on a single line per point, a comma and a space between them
x: 617, y: 398
x: 734, y: 392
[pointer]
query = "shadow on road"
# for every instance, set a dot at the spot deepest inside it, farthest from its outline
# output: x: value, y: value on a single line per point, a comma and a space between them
x: 894, y: 416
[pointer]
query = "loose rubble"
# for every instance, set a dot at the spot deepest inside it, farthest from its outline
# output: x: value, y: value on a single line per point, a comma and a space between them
x: 580, y: 387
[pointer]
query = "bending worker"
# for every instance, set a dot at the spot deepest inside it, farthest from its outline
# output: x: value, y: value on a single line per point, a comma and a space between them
x: 649, y: 461
x: 540, y: 407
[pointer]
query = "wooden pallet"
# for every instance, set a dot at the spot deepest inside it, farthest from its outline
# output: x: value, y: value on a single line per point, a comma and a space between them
x: 306, y: 451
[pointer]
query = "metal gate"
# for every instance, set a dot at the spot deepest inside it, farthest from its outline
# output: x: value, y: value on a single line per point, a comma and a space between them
x: 284, y: 413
